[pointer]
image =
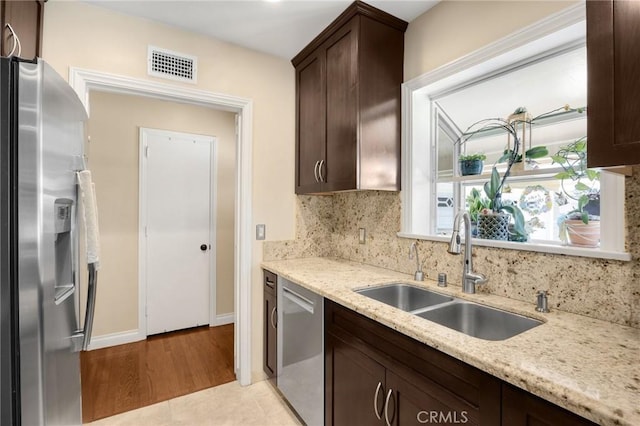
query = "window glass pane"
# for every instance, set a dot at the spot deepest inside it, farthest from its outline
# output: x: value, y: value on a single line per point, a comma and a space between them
x: 444, y: 208
x: 551, y: 135
x: 552, y: 92
x: 541, y: 86
x: 543, y: 202
x: 445, y: 145
x: 536, y: 201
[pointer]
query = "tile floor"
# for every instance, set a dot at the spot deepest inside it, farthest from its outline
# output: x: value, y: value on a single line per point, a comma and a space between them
x: 230, y: 405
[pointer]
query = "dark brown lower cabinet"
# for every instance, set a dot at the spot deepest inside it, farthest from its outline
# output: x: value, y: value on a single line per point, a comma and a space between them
x: 270, y: 318
x: 520, y: 408
x: 413, y: 400
x: 356, y: 386
x: 377, y: 376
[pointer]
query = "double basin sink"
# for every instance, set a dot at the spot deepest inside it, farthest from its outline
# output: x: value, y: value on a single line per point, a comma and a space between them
x: 466, y: 317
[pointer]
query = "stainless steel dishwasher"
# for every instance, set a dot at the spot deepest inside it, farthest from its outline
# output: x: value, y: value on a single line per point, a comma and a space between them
x: 301, y: 350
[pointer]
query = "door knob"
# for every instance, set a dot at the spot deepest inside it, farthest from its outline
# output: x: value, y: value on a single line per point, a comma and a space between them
x: 203, y: 247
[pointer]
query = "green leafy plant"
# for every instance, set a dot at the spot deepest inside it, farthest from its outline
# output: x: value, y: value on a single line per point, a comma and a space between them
x: 573, y: 160
x: 476, y: 203
x: 472, y: 157
x: 493, y: 190
x: 530, y: 154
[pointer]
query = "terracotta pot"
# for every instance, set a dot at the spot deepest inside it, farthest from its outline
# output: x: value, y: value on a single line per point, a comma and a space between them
x: 583, y: 234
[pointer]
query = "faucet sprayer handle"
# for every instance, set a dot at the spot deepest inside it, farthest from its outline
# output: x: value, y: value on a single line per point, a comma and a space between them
x: 454, y: 243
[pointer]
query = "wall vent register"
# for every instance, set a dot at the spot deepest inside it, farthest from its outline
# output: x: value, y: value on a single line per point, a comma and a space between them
x: 164, y: 63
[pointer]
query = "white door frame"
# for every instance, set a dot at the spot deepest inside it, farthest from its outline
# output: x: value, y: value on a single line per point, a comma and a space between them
x: 83, y: 81
x: 142, y: 219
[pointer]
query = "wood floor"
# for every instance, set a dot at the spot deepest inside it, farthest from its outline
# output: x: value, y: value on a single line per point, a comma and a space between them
x: 126, y: 377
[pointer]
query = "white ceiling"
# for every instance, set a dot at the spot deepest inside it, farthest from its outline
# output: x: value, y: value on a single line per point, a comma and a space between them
x: 280, y: 28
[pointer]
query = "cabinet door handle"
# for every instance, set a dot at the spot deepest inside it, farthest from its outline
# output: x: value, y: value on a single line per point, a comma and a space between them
x: 315, y: 171
x: 273, y: 323
x: 375, y: 402
x: 320, y: 171
x: 386, y: 407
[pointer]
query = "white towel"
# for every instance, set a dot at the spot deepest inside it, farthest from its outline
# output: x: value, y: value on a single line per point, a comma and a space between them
x: 90, y: 216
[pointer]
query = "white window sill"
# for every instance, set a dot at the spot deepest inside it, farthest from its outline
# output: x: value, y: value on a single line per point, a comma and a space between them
x: 536, y: 247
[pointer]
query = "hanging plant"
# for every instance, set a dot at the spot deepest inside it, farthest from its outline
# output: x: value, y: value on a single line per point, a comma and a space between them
x: 494, y: 187
x: 573, y: 160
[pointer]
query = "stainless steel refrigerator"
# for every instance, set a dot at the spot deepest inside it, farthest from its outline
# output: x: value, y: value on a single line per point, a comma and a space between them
x: 42, y: 133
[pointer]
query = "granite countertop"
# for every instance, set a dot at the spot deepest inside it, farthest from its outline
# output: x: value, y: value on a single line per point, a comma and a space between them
x: 587, y: 366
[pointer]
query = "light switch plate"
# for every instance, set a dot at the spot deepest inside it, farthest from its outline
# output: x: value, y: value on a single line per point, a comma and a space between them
x: 362, y: 237
x: 261, y: 231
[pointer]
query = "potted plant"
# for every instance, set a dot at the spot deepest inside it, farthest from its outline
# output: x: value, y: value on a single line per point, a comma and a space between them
x: 580, y: 226
x: 530, y: 155
x: 471, y: 164
x: 476, y: 203
x: 493, y: 221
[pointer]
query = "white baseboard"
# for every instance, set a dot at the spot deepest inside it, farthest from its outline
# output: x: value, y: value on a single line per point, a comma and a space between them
x: 223, y: 319
x: 113, y: 339
x: 130, y: 336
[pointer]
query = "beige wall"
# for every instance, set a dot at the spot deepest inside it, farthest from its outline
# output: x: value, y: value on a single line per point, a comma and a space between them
x: 86, y: 36
x: 452, y: 29
x: 114, y: 161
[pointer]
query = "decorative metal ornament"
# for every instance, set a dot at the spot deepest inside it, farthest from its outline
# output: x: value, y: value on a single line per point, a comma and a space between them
x: 535, y: 200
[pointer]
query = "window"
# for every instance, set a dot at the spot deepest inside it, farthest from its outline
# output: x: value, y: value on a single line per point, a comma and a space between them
x: 547, y: 76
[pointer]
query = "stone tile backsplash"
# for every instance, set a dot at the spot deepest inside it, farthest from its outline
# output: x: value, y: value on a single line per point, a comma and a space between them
x: 609, y: 290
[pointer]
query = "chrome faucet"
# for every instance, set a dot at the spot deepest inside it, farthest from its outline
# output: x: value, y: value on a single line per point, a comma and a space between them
x: 469, y: 278
x: 419, y: 275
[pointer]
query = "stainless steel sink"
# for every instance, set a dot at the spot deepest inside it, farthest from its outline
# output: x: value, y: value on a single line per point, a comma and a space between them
x: 479, y: 321
x: 404, y: 296
x: 469, y: 318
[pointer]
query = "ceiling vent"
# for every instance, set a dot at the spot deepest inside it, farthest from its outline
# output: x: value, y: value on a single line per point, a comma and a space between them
x: 172, y: 65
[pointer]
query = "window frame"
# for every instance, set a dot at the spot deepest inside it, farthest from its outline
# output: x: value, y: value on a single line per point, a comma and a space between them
x: 555, y: 33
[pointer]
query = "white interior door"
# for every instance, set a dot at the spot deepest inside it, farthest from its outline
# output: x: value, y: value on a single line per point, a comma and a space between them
x: 177, y: 221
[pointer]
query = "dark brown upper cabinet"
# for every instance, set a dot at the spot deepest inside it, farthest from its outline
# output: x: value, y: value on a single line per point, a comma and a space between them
x: 25, y: 19
x: 613, y: 67
x: 348, y: 104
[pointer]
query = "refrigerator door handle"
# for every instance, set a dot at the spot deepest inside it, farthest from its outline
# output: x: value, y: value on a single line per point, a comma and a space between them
x: 82, y: 338
x: 91, y: 305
